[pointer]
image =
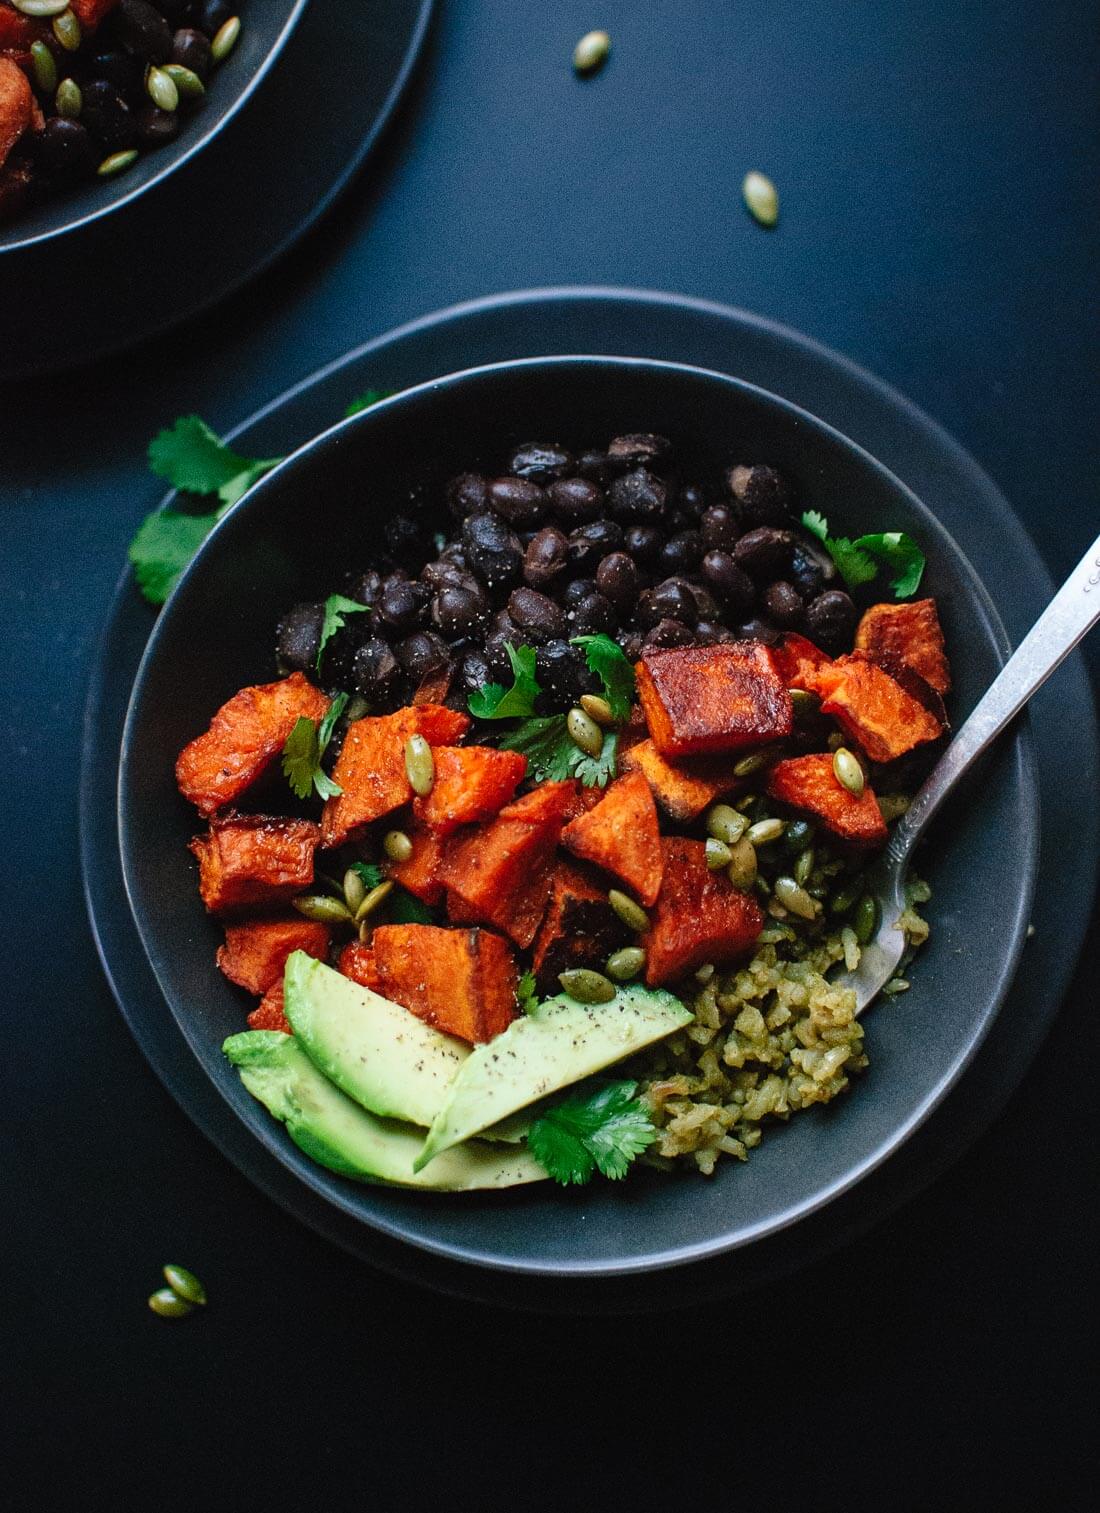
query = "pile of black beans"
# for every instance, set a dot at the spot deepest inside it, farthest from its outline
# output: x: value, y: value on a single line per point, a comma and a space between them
x: 563, y: 545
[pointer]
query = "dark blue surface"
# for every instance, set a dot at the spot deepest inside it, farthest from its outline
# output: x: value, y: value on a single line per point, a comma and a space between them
x: 938, y: 167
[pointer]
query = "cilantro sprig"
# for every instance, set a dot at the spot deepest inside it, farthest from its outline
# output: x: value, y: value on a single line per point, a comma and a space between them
x: 553, y: 755
x: 366, y: 399
x: 527, y: 997
x: 495, y: 702
x: 303, y: 749
x: 608, y: 661
x: 336, y: 609
x: 600, y: 1128
x: 858, y: 561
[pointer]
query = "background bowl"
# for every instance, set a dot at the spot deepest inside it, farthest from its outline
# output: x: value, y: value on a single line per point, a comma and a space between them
x: 316, y: 515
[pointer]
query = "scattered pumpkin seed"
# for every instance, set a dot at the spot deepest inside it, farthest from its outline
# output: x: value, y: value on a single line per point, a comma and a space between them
x: 69, y: 99
x: 185, y: 1284
x: 742, y: 867
x: 322, y: 909
x: 591, y: 52
x: 41, y: 8
x: 161, y: 88
x: 847, y: 897
x: 896, y: 985
x: 118, y: 162
x: 865, y: 919
x: 358, y: 706
x: 847, y: 771
x: 798, y: 835
x: 191, y: 87
x: 224, y: 39
x: 419, y: 762
x: 725, y: 823
x: 893, y: 805
x: 584, y: 732
x: 835, y: 740
x: 761, y: 197
x: 626, y: 963
x: 766, y: 830
x: 597, y: 709
x: 44, y: 67
x: 375, y: 897
x: 67, y: 29
x: 749, y: 764
x: 804, y: 866
x: 166, y: 1303
x: 397, y: 845
x: 632, y: 915
x: 718, y: 853
x: 354, y: 890
x: 587, y: 986
x: 804, y: 702
x: 795, y: 898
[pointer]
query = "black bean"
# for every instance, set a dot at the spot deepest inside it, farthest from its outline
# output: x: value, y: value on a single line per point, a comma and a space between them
x: 594, y: 465
x: 537, y: 616
x: 681, y: 553
x: 691, y: 500
x: 445, y: 574
x: 711, y: 633
x: 541, y: 461
x: 119, y: 68
x: 831, y: 620
x: 473, y: 671
x: 422, y: 653
x: 576, y: 500
x: 644, y: 543
x: 763, y: 495
x: 764, y: 552
x: 468, y: 494
x: 156, y: 127
x: 720, y: 528
x: 631, y: 644
x: 142, y: 29
x: 365, y: 588
x: 459, y: 610
x: 455, y: 553
x: 642, y: 448
x: 407, y: 539
x: 562, y: 672
x: 617, y: 580
x: 576, y: 590
x: 210, y: 15
x: 107, y: 116
x: 402, y: 603
x: 757, y: 630
x: 590, y: 543
x: 671, y: 600
x: 494, y: 553
x: 783, y: 605
x: 521, y: 502
x: 669, y: 633
x: 594, y: 615
x: 191, y: 49
x: 807, y: 573
x: 676, y: 521
x: 732, y: 584
x: 299, y: 637
x: 374, y: 668
x: 496, y: 653
x: 546, y: 557
x: 706, y: 604
x: 638, y: 497
x: 64, y: 151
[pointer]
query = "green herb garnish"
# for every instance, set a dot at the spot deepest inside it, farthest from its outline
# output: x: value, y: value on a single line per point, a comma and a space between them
x: 192, y: 457
x: 552, y: 754
x: 303, y: 750
x: 858, y: 561
x: 163, y: 545
x: 368, y: 874
x: 494, y: 702
x: 406, y: 909
x: 601, y: 1129
x: 366, y: 399
x: 527, y: 997
x: 336, y: 607
x: 608, y: 661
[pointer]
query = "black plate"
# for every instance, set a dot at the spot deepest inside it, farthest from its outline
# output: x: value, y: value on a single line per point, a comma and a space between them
x: 193, y: 221
x: 898, y: 435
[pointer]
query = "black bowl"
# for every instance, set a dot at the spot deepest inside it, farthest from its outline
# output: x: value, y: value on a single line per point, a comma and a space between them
x: 319, y: 513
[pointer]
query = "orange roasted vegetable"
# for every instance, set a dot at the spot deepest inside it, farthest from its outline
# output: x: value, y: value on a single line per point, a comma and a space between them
x: 883, y: 717
x: 699, y: 917
x: 17, y: 107
x: 798, y: 661
x: 269, y: 1013
x: 420, y: 875
x: 245, y: 737
x: 357, y: 962
x: 255, y: 953
x: 254, y: 861
x: 620, y: 835
x: 371, y: 766
x: 810, y: 784
x: 471, y: 783
x: 91, y: 12
x: 579, y: 929
x: 683, y: 789
x: 909, y: 634
x: 699, y: 699
x: 461, y: 981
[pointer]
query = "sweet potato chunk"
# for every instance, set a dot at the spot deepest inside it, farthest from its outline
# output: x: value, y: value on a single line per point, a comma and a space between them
x: 884, y: 718
x: 471, y: 783
x: 579, y: 929
x: 699, y: 699
x: 371, y: 766
x: 249, y: 861
x: 420, y: 875
x: 798, y: 661
x: 357, y: 962
x: 17, y: 32
x: 255, y: 954
x: 810, y: 784
x: 620, y: 835
x: 461, y: 981
x: 699, y: 916
x: 16, y: 105
x: 683, y: 789
x: 500, y: 874
x: 244, y: 738
x: 910, y: 634
x: 269, y: 1013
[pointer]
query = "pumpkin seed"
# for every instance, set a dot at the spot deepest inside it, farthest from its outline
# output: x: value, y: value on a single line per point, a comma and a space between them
x: 761, y: 197
x: 835, y: 741
x: 718, y: 854
x: 354, y: 890
x: 847, y: 771
x: 626, y: 963
x: 632, y: 915
x: 45, y: 69
x: 161, y: 88
x: 165, y: 1303
x: 742, y: 867
x: 66, y: 28
x: 587, y: 986
x: 185, y: 1284
x: 321, y: 908
x: 397, y: 845
x: 893, y: 805
x: 804, y: 866
x: 749, y: 764
x: 804, y: 702
x: 224, y: 39
x: 596, y: 708
x: 726, y: 824
x: 69, y: 101
x: 419, y: 762
x: 799, y: 835
x: 766, y: 830
x: 584, y: 732
x: 358, y: 706
x: 795, y: 898
x: 591, y: 52
x: 896, y: 985
x: 375, y: 897
x: 865, y: 919
x: 847, y: 897
x: 41, y: 8
x: 118, y: 162
x: 191, y: 87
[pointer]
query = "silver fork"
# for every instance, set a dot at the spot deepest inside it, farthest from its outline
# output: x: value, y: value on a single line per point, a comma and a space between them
x: 1068, y: 617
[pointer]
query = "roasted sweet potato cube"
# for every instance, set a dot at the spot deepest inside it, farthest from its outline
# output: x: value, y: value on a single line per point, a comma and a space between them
x: 420, y: 875
x: 249, y: 861
x: 269, y: 1013
x: 245, y: 737
x: 544, y: 805
x: 699, y: 917
x: 255, y: 953
x: 16, y: 105
x: 461, y: 981
x: 700, y: 699
x: 471, y: 783
x: 683, y: 789
x: 909, y: 634
x: 579, y: 928
x: 873, y: 708
x: 580, y: 802
x: 370, y: 769
x: 809, y: 783
x: 620, y: 836
x: 357, y: 962
x: 798, y: 661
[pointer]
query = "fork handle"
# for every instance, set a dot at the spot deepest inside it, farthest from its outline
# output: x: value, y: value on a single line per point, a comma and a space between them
x: 1068, y: 617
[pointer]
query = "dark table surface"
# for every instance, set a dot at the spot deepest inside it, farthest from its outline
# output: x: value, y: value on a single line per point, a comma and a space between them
x: 938, y: 166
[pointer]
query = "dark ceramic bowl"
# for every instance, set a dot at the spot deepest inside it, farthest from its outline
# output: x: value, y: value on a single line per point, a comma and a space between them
x: 317, y: 514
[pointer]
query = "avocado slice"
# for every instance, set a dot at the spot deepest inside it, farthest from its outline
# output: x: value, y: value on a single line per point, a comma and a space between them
x: 558, y: 1043
x: 337, y: 1133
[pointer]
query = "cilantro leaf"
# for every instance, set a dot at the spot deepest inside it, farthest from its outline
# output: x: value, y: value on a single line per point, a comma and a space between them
x: 854, y: 565
x: 163, y: 545
x: 493, y: 702
x: 597, y: 772
x: 303, y: 749
x: 601, y: 1128
x: 328, y: 724
x: 816, y: 524
x: 552, y: 754
x: 336, y: 608
x: 608, y: 661
x: 900, y: 553
x: 366, y: 399
x: 407, y: 909
x: 527, y: 997
x: 369, y: 875
x: 192, y: 457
